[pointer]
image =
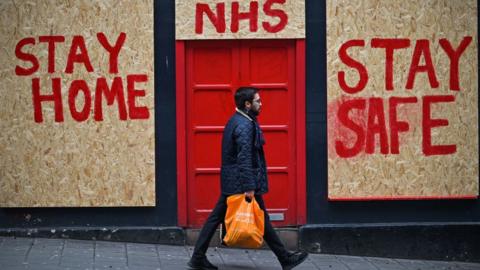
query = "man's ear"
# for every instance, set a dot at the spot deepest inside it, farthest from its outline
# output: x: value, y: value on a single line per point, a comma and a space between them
x: 248, y: 104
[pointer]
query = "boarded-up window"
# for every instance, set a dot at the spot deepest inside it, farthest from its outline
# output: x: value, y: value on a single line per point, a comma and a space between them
x: 402, y: 99
x: 76, y: 103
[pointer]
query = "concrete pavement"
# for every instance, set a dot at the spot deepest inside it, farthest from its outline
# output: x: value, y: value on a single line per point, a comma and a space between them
x: 56, y: 254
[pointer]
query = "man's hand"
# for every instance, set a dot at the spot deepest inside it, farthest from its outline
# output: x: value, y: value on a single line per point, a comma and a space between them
x: 249, y: 194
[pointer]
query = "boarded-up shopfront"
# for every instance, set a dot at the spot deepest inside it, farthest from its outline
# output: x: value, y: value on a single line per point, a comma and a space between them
x: 112, y: 112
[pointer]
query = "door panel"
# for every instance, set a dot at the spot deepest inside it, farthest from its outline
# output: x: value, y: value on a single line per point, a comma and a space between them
x: 279, y: 180
x: 207, y: 149
x: 268, y: 65
x: 202, y: 184
x: 275, y: 150
x: 213, y: 106
x: 214, y: 70
x: 273, y: 100
x: 212, y: 65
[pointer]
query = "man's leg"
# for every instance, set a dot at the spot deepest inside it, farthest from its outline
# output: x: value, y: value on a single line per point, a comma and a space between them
x: 214, y: 219
x: 287, y: 259
x: 270, y: 235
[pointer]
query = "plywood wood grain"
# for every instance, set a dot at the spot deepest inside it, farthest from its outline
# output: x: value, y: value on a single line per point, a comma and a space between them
x: 411, y: 173
x: 107, y: 162
x: 271, y: 12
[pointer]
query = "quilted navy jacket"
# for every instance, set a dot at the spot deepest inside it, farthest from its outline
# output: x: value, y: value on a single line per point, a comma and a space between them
x: 243, y: 160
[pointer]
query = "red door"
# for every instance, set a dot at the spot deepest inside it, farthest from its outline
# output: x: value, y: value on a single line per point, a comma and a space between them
x: 214, y: 70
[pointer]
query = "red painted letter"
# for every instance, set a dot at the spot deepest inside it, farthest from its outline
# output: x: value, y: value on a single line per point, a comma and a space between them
x: 395, y: 125
x: 342, y: 150
x: 280, y: 14
x: 51, y: 49
x: 112, y: 51
x: 422, y: 47
x: 218, y: 21
x: 75, y: 87
x: 133, y: 111
x: 376, y: 124
x: 429, y: 123
x: 20, y: 71
x: 454, y: 56
x: 389, y: 45
x: 116, y: 92
x: 252, y: 16
x: 56, y: 97
x: 347, y: 60
x: 82, y: 57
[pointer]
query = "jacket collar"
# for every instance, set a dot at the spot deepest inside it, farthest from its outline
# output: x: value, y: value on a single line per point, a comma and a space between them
x: 244, y: 114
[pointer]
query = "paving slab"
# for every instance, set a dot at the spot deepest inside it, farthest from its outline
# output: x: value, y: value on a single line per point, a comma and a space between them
x: 59, y: 254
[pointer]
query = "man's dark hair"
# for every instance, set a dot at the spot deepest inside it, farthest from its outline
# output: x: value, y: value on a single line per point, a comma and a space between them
x: 244, y: 94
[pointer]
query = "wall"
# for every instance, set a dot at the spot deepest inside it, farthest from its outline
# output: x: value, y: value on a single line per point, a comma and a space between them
x: 320, y: 210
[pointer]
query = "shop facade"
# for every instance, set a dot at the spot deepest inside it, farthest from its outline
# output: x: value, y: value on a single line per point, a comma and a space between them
x: 351, y: 169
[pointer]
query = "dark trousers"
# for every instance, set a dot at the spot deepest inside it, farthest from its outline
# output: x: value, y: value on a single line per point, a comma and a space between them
x: 217, y: 216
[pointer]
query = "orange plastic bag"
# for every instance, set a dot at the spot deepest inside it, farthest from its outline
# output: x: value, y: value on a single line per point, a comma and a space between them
x: 244, y: 223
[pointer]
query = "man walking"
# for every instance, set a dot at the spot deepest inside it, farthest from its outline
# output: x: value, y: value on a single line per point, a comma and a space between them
x: 243, y: 171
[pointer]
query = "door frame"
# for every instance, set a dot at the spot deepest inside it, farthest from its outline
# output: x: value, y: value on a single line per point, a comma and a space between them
x: 181, y: 137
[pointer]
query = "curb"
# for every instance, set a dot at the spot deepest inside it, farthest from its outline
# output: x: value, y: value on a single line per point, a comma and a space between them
x: 157, y: 235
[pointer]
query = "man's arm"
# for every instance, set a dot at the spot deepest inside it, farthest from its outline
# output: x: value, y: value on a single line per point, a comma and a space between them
x: 244, y: 140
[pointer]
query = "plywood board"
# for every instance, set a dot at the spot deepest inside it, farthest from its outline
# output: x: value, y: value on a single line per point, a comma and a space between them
x: 76, y: 159
x: 263, y: 19
x: 437, y: 153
